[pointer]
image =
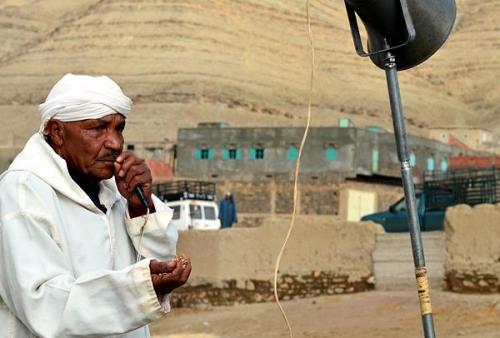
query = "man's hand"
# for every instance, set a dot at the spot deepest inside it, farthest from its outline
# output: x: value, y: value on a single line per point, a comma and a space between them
x: 131, y: 171
x: 167, y: 276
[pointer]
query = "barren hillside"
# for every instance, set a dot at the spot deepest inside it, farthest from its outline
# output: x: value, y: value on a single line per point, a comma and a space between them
x: 245, y: 62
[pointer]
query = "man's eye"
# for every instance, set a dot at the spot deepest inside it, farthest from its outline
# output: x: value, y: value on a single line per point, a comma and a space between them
x: 99, y: 128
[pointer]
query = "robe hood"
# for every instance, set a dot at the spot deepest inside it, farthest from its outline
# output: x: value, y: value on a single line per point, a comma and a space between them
x: 41, y: 160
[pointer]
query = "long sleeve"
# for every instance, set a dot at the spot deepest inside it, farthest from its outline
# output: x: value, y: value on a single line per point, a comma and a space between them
x: 38, y: 282
x: 157, y: 237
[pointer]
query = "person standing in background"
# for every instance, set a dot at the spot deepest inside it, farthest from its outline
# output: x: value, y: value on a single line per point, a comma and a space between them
x: 227, y: 211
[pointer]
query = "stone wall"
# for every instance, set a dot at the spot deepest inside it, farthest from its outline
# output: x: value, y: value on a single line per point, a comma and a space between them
x: 473, y: 249
x: 236, y: 265
x: 316, y: 197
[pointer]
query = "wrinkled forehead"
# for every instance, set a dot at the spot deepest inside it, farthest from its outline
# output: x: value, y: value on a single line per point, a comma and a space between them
x: 115, y: 118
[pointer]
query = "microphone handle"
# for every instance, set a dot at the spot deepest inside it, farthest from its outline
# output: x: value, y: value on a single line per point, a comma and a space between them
x: 142, y: 198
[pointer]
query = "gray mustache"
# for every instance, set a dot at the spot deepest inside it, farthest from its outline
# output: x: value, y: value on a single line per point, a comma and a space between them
x: 108, y: 157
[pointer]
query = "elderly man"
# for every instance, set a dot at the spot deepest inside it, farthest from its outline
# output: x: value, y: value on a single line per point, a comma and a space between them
x: 73, y: 232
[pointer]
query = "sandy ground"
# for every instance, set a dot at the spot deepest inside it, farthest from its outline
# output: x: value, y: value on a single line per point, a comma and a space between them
x: 369, y: 314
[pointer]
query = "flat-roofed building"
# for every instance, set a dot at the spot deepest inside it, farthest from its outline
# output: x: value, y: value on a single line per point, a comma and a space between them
x: 253, y: 154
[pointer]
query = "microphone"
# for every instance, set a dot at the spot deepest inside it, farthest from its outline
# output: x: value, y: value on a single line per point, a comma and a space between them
x: 140, y: 193
x: 138, y: 190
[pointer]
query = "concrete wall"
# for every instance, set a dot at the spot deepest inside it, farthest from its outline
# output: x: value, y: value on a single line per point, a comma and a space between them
x: 317, y: 197
x: 359, y: 152
x: 236, y: 265
x: 473, y: 249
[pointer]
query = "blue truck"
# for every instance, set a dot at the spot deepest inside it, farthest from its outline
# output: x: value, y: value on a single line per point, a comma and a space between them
x: 438, y: 192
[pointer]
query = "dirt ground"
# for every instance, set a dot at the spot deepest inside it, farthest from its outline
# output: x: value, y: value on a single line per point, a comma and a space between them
x: 367, y: 314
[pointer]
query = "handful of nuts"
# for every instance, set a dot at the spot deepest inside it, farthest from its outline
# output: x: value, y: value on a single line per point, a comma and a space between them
x: 182, y: 260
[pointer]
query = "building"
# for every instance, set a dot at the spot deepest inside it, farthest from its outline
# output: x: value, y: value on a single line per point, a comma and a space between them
x: 473, y: 138
x: 256, y: 154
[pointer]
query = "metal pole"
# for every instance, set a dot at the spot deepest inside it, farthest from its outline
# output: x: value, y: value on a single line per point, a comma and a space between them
x: 409, y: 191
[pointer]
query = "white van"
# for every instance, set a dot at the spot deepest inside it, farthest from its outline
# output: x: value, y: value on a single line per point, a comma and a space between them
x: 195, y: 214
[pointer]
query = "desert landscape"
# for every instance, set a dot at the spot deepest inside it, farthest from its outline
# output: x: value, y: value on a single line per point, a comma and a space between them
x: 246, y: 63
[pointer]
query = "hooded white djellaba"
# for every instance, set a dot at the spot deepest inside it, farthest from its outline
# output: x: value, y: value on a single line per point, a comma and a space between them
x: 67, y: 269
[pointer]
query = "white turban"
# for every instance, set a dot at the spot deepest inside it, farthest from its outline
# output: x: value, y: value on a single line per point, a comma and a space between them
x: 82, y: 97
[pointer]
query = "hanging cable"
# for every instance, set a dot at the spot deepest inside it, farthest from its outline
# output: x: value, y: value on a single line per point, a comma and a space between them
x: 297, y: 170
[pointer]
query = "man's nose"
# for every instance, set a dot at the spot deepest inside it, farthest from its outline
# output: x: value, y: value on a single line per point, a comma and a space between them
x: 114, y: 141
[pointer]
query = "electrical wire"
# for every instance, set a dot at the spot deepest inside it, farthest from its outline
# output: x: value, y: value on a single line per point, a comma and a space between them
x: 139, y: 246
x: 297, y: 170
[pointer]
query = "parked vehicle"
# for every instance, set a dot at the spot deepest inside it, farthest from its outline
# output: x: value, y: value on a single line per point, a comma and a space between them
x: 193, y: 203
x: 437, y: 194
x: 195, y: 215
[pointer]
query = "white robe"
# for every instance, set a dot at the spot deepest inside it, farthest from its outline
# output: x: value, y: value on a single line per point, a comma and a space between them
x: 66, y: 268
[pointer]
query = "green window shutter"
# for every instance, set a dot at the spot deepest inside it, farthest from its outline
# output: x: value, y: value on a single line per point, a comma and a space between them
x: 211, y: 154
x: 251, y: 154
x: 375, y: 160
x: 430, y: 164
x: 293, y: 153
x: 331, y: 154
x: 225, y: 154
x: 444, y: 166
x: 238, y: 154
x: 413, y: 160
x: 197, y: 154
x: 344, y: 123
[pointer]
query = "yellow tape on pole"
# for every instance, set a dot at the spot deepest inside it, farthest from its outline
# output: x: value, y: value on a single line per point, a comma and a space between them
x: 423, y: 290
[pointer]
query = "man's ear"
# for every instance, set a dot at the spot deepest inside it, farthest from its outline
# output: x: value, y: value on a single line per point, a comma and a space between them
x: 55, y: 131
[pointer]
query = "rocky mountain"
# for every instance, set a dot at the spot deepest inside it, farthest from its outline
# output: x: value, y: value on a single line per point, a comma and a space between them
x: 245, y: 62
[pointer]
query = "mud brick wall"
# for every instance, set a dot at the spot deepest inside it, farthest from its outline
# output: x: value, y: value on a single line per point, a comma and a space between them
x: 259, y: 291
x: 236, y: 265
x: 473, y: 249
x: 284, y: 198
x: 250, y: 197
x: 319, y: 198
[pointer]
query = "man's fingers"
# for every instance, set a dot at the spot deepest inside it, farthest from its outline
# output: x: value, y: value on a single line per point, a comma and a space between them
x: 126, y: 166
x: 156, y: 267
x: 167, y: 276
x: 185, y: 274
x: 139, y: 178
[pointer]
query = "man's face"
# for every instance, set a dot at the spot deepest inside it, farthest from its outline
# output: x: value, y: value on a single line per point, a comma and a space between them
x: 91, y: 146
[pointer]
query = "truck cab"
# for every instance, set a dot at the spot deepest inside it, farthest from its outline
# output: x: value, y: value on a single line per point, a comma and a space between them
x: 469, y: 187
x: 394, y: 219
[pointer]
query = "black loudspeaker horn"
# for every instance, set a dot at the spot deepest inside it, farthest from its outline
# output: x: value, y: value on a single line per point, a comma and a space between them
x: 412, y: 30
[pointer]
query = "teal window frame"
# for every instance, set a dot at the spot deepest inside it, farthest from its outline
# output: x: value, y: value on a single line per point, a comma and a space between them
x: 292, y: 153
x: 204, y: 154
x: 430, y: 164
x: 231, y: 154
x: 444, y: 166
x: 413, y: 160
x: 344, y: 122
x: 331, y: 153
x: 375, y: 160
x: 256, y: 153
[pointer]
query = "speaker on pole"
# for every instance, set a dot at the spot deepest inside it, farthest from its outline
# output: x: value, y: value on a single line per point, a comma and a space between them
x: 401, y: 35
x: 413, y: 29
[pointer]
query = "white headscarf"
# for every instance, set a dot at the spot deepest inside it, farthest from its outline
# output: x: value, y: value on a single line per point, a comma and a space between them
x: 82, y: 97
